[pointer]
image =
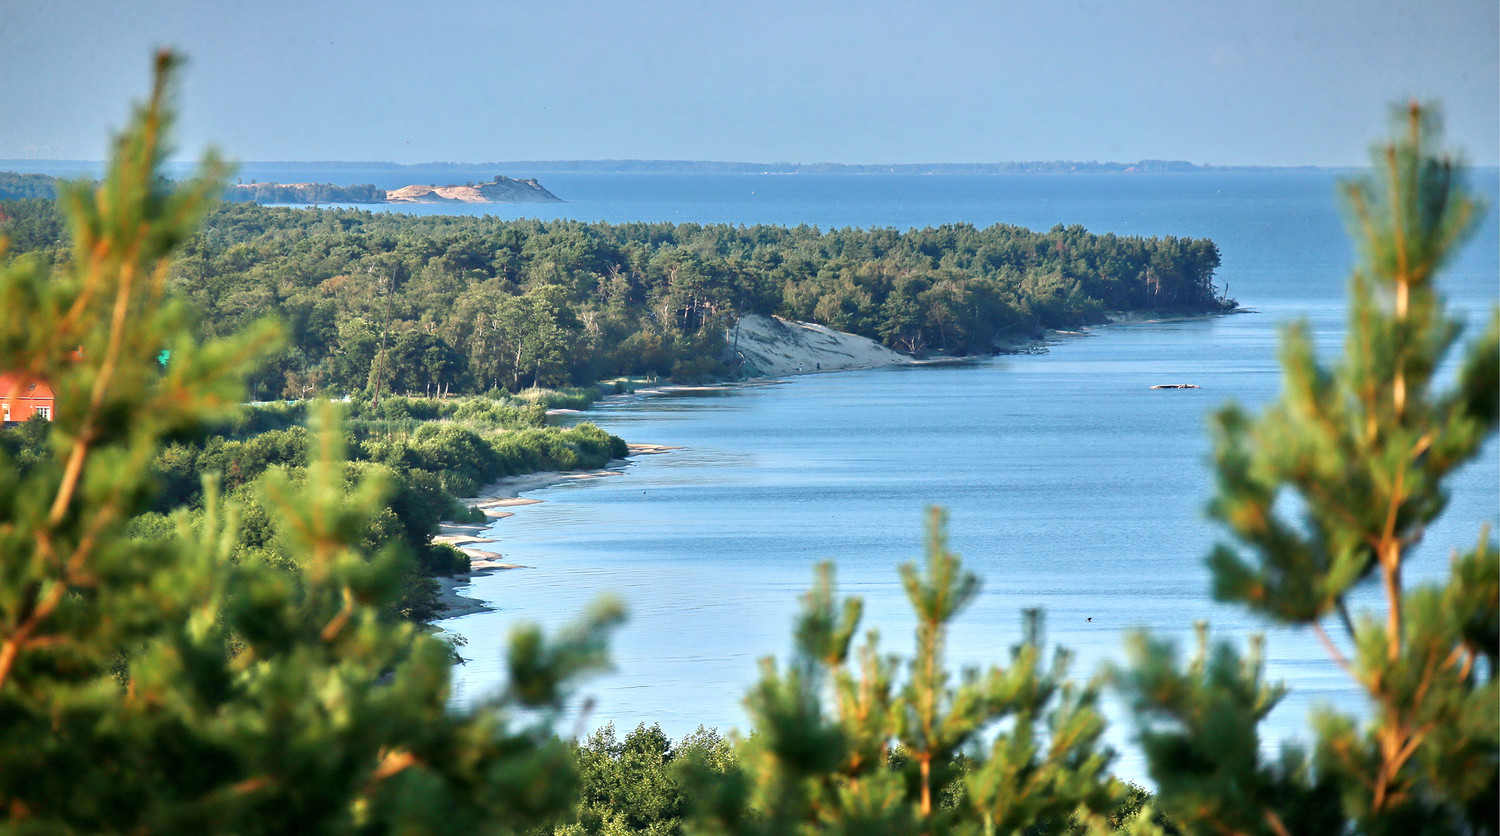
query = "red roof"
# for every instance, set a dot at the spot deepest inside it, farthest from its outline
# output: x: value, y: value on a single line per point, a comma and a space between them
x: 11, y: 389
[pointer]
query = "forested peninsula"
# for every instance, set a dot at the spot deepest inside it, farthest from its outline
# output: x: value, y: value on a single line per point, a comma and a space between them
x: 474, y: 304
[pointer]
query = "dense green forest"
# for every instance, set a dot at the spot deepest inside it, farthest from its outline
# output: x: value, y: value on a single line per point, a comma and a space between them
x: 15, y: 186
x: 472, y: 304
x: 254, y: 192
x: 33, y: 224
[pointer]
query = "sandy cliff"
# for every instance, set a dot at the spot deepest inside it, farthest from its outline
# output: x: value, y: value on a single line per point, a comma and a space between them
x: 770, y: 345
x: 499, y: 190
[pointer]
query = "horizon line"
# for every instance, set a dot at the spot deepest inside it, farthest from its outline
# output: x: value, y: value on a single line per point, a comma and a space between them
x: 1158, y: 163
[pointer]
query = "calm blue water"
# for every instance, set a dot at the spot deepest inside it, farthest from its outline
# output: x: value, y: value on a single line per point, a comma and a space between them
x: 1070, y: 484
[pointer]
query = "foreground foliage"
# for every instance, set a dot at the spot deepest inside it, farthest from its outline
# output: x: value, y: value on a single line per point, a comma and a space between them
x: 995, y: 751
x: 647, y: 783
x: 160, y: 684
x: 1364, y: 447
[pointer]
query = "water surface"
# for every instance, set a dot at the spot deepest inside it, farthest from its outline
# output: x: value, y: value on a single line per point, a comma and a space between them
x: 1070, y: 484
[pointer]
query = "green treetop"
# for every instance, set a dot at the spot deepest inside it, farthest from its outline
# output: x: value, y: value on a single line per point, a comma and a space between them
x: 862, y: 742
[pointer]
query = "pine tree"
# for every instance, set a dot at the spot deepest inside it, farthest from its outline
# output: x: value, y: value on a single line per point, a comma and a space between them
x: 860, y: 742
x: 1328, y: 490
x: 158, y: 685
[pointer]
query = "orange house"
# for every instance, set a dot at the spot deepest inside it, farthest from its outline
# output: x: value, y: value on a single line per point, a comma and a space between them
x: 18, y: 401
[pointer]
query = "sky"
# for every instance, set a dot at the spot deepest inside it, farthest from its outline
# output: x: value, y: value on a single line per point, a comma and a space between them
x: 1271, y: 82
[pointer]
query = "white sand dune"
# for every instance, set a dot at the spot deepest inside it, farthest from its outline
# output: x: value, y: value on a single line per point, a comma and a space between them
x: 772, y: 346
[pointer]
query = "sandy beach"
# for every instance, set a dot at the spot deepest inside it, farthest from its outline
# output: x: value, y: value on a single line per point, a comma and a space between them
x: 770, y: 346
x: 469, y: 538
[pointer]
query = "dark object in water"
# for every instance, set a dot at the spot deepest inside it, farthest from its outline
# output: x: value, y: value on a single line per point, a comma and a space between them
x: 1176, y: 386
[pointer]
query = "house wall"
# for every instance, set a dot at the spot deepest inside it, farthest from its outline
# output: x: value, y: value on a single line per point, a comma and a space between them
x: 29, y: 400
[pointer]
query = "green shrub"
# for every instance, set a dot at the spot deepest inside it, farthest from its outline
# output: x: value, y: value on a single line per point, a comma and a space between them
x: 467, y: 514
x: 572, y: 397
x: 443, y: 559
x: 459, y: 484
x: 697, y: 370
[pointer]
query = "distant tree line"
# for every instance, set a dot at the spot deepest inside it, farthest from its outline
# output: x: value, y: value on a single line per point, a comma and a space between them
x: 303, y: 193
x: 33, y: 225
x: 15, y: 186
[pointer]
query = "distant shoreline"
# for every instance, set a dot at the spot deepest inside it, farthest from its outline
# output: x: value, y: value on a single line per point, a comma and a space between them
x: 828, y: 352
x: 500, y: 189
x: 482, y: 170
x: 470, y: 538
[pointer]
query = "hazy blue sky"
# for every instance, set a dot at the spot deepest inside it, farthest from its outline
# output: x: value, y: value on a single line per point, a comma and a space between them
x: 1275, y: 82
